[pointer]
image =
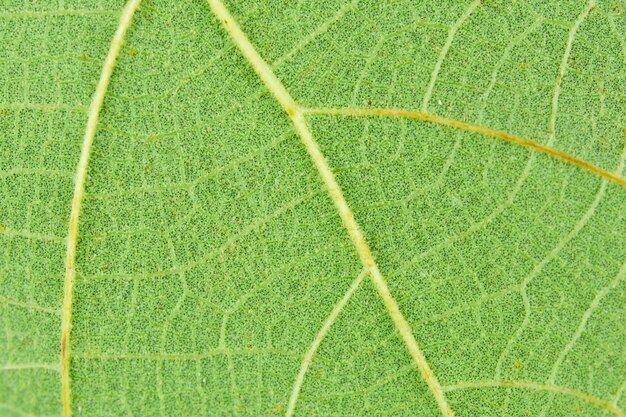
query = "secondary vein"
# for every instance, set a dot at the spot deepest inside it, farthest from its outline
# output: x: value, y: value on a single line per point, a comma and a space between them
x: 296, y: 114
x: 428, y: 117
x: 321, y: 334
x: 79, y: 191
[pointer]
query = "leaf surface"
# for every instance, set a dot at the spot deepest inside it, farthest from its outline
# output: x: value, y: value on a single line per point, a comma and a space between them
x: 346, y: 208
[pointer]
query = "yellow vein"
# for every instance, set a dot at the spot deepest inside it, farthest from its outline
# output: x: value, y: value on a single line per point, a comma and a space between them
x: 308, y: 357
x: 79, y: 190
x: 613, y: 177
x: 539, y: 387
x: 564, y: 61
x: 444, y: 51
x: 296, y: 114
x: 368, y: 261
x: 538, y: 268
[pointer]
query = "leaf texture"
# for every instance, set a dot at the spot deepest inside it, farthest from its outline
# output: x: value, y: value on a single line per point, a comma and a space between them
x: 321, y: 208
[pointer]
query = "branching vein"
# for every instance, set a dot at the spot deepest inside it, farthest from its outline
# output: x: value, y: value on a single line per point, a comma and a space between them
x: 308, y: 357
x: 444, y: 51
x: 564, y: 63
x: 611, y: 176
x: 295, y: 112
x: 298, y: 114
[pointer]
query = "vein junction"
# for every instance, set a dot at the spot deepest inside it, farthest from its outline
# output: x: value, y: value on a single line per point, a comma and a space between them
x: 308, y: 357
x: 296, y: 114
x: 428, y: 117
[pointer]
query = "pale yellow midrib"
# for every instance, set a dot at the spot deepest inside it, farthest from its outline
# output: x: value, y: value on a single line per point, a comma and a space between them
x: 79, y: 190
x: 277, y: 89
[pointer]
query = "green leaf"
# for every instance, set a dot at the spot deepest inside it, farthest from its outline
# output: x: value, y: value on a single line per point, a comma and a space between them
x: 321, y: 208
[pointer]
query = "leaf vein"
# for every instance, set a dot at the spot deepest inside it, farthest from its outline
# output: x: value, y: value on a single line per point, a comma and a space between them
x: 278, y: 90
x: 308, y: 357
x: 428, y: 117
x: 444, y: 51
x: 79, y: 190
x: 539, y: 387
